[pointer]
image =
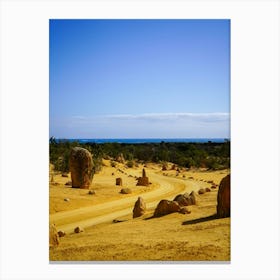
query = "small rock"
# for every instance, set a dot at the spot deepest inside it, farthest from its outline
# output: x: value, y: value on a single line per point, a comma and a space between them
x: 67, y: 199
x: 78, y: 230
x: 61, y: 233
x: 126, y: 191
x: 201, y: 191
x: 91, y: 192
x: 185, y: 210
x: 69, y: 183
x: 118, y: 221
x: 207, y: 189
x: 64, y: 175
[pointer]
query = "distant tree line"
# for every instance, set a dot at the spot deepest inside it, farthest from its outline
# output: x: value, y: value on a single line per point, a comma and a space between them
x: 209, y: 155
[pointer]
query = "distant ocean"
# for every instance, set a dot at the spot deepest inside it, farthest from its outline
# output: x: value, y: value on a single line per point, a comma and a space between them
x: 147, y: 140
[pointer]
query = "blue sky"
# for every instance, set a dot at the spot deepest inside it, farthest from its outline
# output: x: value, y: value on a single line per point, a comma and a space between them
x: 139, y: 78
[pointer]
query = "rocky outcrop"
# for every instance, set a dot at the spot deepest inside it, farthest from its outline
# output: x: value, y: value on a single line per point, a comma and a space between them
x: 166, y: 207
x: 139, y: 207
x: 223, y: 198
x: 144, y: 180
x: 81, y: 168
x: 118, y: 181
x: 53, y: 236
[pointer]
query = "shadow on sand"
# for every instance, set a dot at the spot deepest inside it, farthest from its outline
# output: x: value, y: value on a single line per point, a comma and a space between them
x: 201, y: 220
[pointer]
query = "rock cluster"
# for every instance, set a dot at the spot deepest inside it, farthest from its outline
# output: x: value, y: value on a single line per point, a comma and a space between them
x: 81, y: 168
x: 139, y: 207
x: 223, y: 198
x: 186, y: 199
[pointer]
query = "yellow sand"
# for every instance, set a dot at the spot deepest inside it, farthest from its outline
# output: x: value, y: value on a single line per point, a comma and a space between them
x: 195, y: 236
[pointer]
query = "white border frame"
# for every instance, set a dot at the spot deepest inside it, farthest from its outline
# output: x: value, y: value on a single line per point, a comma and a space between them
x: 254, y: 134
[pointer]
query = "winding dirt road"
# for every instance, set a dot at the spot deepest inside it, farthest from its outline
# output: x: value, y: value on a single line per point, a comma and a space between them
x: 105, y: 212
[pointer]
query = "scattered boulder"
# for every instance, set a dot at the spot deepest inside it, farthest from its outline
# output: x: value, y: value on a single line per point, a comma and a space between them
x: 69, y: 183
x: 173, y: 167
x: 201, y: 191
x: 166, y: 207
x: 61, y: 233
x: 164, y: 167
x: 113, y: 174
x: 53, y: 236
x: 66, y: 199
x: 118, y: 181
x: 191, y: 178
x: 223, y: 198
x: 139, y: 207
x: 64, y: 175
x: 214, y: 186
x: 81, y: 168
x: 126, y: 191
x: 78, y: 229
x: 210, y: 182
x: 91, y: 192
x: 207, y: 189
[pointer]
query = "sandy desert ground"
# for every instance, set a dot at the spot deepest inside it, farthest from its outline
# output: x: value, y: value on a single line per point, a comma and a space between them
x: 197, y: 236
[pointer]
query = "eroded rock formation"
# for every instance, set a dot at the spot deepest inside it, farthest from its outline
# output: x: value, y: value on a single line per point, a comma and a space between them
x: 139, y: 207
x: 81, y: 168
x: 223, y: 198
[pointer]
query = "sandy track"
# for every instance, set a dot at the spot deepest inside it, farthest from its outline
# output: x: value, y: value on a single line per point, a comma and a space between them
x: 105, y: 212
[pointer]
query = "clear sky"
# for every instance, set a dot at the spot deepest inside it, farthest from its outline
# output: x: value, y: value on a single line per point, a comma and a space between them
x: 139, y: 78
